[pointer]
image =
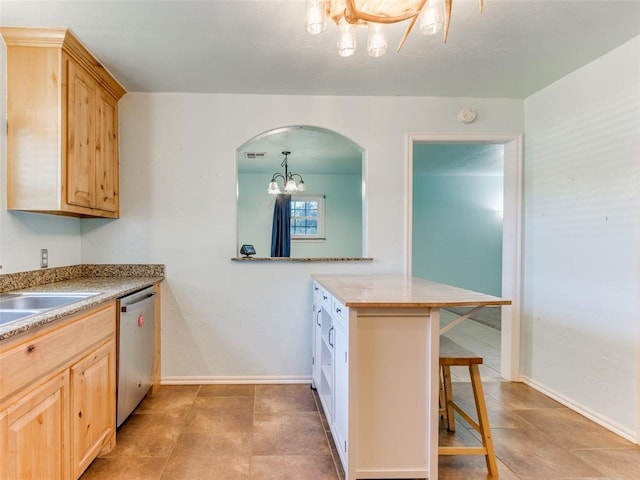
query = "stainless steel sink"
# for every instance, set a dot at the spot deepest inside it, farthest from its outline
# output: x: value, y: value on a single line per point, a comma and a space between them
x: 15, y: 306
x: 7, y: 316
x: 40, y: 301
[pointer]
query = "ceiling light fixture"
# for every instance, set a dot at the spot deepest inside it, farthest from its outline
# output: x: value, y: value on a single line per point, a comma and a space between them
x: 431, y: 16
x: 288, y: 182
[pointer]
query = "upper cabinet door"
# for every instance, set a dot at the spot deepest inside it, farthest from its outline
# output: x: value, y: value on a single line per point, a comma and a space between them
x: 107, y: 153
x: 81, y: 137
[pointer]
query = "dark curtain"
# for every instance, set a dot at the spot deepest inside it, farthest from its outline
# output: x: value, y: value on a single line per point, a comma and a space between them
x: 281, y: 230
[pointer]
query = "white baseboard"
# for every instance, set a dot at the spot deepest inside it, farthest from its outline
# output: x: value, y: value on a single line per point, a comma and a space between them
x: 221, y: 380
x: 625, y: 433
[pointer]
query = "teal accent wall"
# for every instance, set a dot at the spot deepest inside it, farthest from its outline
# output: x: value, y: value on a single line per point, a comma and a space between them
x: 343, y: 215
x: 457, y: 228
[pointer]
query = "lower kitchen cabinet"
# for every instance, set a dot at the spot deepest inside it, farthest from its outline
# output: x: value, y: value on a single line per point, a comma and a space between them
x: 57, y: 397
x: 330, y: 353
x: 93, y: 406
x: 316, y: 328
x: 33, y: 435
x: 341, y: 390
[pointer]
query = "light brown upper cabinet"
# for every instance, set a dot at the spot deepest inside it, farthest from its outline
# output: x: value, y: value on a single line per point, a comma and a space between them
x: 62, y: 126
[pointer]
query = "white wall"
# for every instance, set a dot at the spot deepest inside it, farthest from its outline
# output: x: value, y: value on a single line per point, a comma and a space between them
x: 457, y: 230
x: 178, y: 199
x: 580, y: 306
x: 22, y: 235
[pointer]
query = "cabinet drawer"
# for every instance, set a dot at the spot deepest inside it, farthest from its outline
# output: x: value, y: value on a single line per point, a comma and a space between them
x: 53, y: 348
x: 326, y: 299
x: 340, y: 312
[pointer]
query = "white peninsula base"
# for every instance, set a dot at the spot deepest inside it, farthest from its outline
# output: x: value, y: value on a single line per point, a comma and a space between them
x: 375, y: 366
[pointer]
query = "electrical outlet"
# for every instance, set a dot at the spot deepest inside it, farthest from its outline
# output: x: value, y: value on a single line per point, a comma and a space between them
x: 44, y: 258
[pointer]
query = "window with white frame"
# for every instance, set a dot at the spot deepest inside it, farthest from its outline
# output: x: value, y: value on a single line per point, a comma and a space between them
x: 307, y: 217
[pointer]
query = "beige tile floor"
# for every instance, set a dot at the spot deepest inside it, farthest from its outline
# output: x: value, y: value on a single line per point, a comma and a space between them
x: 276, y: 432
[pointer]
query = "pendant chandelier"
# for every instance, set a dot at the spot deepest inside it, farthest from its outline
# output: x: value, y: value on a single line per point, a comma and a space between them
x: 430, y: 15
x: 288, y: 182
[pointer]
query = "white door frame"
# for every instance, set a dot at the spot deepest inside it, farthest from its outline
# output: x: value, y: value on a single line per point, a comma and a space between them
x: 511, y: 232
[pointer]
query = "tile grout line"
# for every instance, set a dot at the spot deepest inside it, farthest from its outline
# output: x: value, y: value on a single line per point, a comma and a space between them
x: 253, y: 425
x: 182, y: 426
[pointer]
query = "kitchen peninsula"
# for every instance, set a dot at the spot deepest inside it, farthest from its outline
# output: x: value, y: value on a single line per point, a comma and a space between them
x: 375, y: 366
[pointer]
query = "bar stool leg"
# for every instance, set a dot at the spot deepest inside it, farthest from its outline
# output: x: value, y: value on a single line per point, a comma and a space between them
x: 448, y: 397
x: 483, y: 420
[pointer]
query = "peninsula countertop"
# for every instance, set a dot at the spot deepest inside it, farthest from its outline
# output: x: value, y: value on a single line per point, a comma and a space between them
x: 372, y: 291
x: 107, y: 284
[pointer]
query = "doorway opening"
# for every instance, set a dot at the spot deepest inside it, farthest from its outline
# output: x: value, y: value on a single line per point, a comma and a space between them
x: 464, y: 223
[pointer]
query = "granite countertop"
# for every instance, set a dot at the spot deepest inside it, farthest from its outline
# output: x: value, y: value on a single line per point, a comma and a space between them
x: 302, y: 259
x: 370, y: 291
x: 114, y: 284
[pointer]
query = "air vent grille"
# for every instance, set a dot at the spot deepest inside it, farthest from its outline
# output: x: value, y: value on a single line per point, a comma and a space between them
x: 254, y: 154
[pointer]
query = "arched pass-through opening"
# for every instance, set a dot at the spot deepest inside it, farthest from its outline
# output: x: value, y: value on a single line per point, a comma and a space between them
x: 333, y: 170
x: 511, y: 232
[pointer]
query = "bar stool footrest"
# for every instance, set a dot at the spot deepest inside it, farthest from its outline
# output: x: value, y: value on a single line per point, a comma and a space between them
x: 462, y: 451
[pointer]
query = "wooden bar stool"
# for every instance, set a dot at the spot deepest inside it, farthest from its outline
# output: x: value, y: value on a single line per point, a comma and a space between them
x: 452, y: 354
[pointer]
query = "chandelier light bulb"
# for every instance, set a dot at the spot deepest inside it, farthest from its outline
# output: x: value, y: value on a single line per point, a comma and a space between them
x: 273, y: 189
x: 376, y: 40
x: 346, y: 38
x: 432, y: 17
x: 316, y: 16
x: 290, y: 186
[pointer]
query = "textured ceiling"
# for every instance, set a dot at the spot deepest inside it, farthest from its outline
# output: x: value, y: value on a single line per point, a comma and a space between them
x: 313, y: 150
x: 458, y: 159
x: 511, y: 50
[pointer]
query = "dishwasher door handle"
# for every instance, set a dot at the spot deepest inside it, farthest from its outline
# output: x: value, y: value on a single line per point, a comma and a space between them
x: 132, y: 306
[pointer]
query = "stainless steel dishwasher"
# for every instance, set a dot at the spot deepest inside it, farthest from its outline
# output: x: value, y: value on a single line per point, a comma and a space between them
x: 135, y: 350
